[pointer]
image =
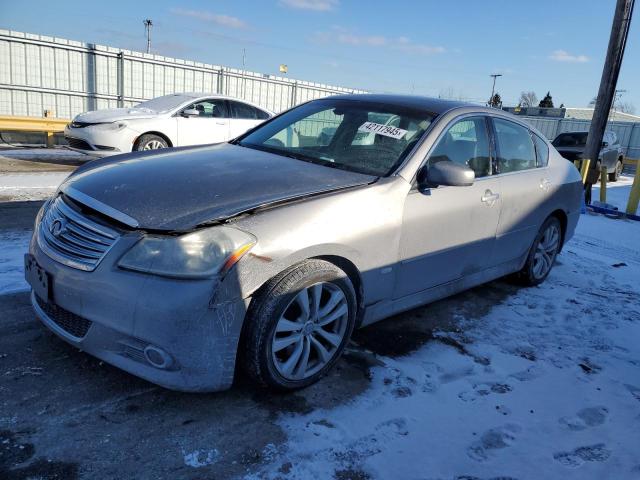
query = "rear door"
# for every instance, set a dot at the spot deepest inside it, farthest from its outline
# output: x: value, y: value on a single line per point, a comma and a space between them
x: 526, y: 187
x: 210, y: 126
x: 244, y: 117
x: 449, y: 232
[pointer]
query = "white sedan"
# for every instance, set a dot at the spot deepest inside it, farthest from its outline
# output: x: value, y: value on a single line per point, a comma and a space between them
x: 175, y: 120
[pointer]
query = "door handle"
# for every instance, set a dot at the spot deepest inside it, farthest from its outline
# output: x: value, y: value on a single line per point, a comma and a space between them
x: 545, y: 184
x: 221, y: 123
x: 489, y: 198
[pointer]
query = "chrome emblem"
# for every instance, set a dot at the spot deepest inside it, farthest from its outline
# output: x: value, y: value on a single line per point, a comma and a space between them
x: 58, y: 227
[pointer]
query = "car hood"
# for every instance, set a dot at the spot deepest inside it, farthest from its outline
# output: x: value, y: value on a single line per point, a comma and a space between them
x: 179, y: 189
x: 114, y: 115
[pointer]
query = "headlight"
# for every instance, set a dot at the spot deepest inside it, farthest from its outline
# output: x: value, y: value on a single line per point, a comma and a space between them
x: 196, y: 255
x: 110, y: 126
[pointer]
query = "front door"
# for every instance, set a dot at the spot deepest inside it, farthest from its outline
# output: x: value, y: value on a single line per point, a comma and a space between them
x: 449, y: 232
x: 211, y: 125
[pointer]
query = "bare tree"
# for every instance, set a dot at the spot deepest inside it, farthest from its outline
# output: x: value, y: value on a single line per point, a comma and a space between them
x: 528, y: 99
x: 626, y: 107
x: 450, y: 93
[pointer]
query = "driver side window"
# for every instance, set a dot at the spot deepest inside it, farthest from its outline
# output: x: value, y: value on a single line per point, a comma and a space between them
x: 467, y: 143
x: 213, y: 108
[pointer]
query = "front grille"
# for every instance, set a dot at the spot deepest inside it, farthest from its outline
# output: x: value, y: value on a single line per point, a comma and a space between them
x: 77, y: 143
x: 73, y: 324
x: 71, y: 238
x: 76, y: 124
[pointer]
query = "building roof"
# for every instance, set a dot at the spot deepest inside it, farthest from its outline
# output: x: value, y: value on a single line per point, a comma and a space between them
x: 586, y: 113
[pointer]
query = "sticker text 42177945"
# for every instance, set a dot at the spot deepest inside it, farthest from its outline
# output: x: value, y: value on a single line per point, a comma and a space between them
x: 379, y: 129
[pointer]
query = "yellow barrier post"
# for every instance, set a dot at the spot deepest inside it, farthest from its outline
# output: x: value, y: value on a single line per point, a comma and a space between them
x: 634, y: 196
x: 584, y: 170
x: 603, y: 185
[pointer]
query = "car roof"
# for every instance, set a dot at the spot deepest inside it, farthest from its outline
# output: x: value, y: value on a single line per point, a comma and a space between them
x: 432, y: 105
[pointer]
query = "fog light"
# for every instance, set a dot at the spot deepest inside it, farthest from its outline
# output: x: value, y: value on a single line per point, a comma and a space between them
x: 157, y: 357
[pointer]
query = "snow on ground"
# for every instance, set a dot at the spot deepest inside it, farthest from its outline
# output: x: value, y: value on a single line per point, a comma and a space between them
x: 617, y: 192
x: 546, y: 385
x: 13, y: 246
x: 30, y: 186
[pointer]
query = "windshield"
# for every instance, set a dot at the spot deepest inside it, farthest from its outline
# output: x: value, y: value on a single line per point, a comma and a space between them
x: 163, y: 104
x: 363, y: 137
x: 576, y: 139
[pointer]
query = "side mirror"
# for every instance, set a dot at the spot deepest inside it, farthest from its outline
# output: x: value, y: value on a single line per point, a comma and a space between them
x: 190, y: 112
x: 445, y: 173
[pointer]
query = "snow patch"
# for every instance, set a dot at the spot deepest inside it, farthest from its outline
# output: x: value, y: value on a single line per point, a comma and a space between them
x: 200, y: 458
x: 13, y: 246
x: 30, y: 186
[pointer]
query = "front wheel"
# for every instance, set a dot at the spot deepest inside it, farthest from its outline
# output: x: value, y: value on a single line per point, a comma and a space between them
x: 543, y: 253
x: 615, y: 175
x: 150, y: 142
x: 298, y: 325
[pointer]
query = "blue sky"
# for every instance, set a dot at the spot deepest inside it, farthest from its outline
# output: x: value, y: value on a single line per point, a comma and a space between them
x: 425, y: 47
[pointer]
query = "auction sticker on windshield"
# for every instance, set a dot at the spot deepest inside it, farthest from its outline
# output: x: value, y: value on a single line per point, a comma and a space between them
x: 380, y: 129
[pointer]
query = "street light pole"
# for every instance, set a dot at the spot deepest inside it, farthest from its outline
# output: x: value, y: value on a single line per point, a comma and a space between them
x: 493, y: 88
x: 147, y: 26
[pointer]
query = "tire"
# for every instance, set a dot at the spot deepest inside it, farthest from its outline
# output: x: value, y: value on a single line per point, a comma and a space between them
x: 149, y: 141
x: 276, y: 317
x: 615, y: 175
x: 532, y: 274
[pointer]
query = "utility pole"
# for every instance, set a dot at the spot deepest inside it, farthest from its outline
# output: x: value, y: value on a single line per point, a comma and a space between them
x: 493, y: 88
x: 147, y: 27
x: 606, y: 92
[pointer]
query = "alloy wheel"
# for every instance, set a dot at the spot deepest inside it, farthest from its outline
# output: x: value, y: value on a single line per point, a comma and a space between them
x: 546, y: 250
x: 310, y: 331
x: 153, y: 145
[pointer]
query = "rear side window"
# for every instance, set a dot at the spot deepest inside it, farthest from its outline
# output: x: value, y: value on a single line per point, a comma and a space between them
x: 466, y: 143
x: 515, y: 147
x: 542, y: 151
x: 246, y: 112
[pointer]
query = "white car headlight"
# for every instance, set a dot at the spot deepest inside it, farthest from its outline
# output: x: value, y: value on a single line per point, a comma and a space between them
x: 110, y: 126
x: 195, y: 255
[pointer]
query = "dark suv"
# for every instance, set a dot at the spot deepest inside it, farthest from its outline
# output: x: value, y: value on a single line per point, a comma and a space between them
x: 571, y: 146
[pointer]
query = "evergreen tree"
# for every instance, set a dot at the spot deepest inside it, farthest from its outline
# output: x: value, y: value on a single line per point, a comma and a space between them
x: 547, y: 101
x: 496, y: 101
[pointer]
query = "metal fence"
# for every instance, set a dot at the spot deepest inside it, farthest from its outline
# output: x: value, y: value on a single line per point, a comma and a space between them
x: 66, y: 77
x: 628, y: 132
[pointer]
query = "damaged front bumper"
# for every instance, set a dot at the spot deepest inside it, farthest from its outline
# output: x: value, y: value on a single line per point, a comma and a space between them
x: 180, y: 334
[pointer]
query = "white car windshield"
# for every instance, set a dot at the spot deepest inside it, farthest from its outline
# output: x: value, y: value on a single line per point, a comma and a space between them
x: 163, y: 104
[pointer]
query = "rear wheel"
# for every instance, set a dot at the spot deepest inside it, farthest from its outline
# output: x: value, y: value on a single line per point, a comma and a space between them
x: 615, y: 175
x: 298, y: 325
x: 542, y: 254
x: 150, y: 141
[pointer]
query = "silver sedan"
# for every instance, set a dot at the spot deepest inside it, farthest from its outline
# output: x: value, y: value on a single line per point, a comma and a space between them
x: 267, y: 251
